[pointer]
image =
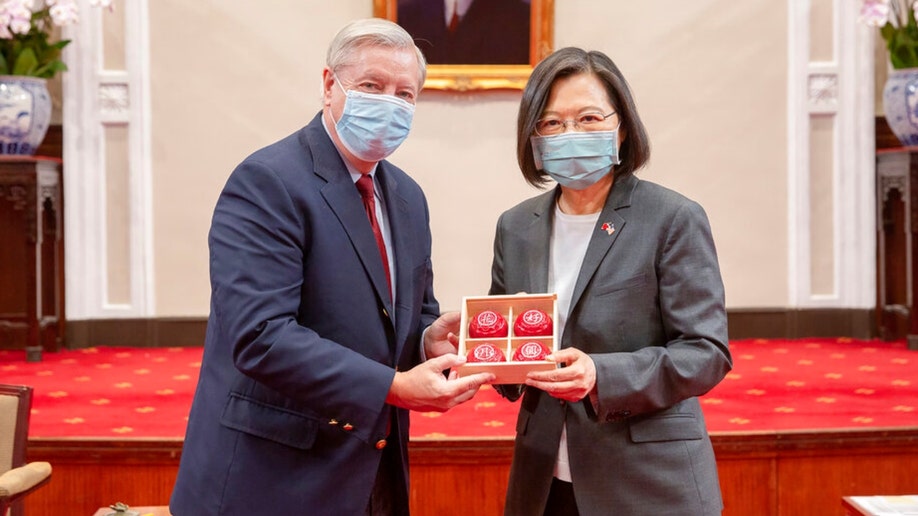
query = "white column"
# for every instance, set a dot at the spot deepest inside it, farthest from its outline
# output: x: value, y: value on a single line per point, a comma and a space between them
x: 841, y: 88
x: 94, y: 99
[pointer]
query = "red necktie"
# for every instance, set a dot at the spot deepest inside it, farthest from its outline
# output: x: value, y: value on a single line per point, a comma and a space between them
x: 454, y: 20
x: 365, y: 186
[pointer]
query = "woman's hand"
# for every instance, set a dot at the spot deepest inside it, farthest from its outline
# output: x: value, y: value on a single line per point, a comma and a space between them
x: 570, y: 383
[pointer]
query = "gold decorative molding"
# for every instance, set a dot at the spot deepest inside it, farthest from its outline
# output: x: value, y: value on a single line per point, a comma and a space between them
x: 477, y: 77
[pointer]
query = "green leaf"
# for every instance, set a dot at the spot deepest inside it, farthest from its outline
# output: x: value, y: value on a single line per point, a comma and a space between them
x: 902, y: 43
x: 26, y: 63
x: 51, y: 69
x: 888, y: 32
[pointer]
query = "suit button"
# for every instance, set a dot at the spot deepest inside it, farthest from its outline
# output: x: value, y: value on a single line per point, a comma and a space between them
x: 380, y: 444
x: 347, y: 427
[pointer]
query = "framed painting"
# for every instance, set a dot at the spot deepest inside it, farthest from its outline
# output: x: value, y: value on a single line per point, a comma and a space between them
x: 475, y: 44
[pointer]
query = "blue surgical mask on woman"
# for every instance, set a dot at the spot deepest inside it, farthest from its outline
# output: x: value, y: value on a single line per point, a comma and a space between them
x: 373, y: 125
x: 576, y: 159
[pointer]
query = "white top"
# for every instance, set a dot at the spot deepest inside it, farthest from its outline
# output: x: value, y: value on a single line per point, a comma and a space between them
x: 570, y: 237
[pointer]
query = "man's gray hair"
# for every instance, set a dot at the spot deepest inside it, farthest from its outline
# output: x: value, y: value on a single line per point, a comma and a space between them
x: 371, y: 32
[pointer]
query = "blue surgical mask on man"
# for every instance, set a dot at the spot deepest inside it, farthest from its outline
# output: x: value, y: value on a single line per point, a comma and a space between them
x: 373, y: 125
x: 576, y: 160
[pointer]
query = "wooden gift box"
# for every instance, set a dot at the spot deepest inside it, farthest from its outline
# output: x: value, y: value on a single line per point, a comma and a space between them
x: 509, y: 307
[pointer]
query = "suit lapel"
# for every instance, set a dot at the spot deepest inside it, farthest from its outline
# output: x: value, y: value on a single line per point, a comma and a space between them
x: 608, y: 227
x: 538, y: 237
x: 401, y: 233
x: 344, y: 200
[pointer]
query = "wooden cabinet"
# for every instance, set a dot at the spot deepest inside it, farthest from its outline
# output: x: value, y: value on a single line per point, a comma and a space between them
x: 31, y: 255
x: 894, y: 243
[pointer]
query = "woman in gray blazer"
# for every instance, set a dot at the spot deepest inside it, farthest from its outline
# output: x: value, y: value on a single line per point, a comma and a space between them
x: 618, y: 428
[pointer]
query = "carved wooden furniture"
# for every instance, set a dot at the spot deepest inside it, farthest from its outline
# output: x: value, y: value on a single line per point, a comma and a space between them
x: 31, y: 255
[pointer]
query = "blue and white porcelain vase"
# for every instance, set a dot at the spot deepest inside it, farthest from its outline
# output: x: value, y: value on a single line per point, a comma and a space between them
x: 25, y: 112
x: 900, y: 104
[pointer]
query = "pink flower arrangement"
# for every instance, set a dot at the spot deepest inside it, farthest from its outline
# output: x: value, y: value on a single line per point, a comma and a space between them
x: 25, y: 34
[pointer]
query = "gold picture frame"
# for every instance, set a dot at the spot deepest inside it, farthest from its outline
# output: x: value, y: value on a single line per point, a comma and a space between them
x: 476, y: 77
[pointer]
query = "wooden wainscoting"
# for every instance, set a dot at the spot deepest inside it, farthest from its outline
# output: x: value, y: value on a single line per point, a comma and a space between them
x: 763, y: 473
x: 794, y: 473
x: 90, y: 473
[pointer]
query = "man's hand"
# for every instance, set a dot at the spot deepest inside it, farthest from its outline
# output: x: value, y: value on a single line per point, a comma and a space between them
x: 441, y: 337
x: 424, y: 387
x: 571, y: 383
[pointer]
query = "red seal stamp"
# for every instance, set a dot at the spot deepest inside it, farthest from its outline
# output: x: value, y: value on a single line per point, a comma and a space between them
x: 486, y: 352
x: 533, y: 323
x: 531, y: 351
x: 488, y: 324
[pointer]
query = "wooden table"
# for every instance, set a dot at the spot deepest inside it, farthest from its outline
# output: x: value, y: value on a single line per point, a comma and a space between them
x: 159, y: 510
x: 880, y: 505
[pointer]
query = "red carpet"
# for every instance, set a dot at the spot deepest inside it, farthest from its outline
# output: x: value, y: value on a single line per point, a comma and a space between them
x: 805, y: 384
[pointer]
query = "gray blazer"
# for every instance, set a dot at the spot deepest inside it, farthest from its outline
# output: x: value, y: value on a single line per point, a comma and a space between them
x: 648, y: 307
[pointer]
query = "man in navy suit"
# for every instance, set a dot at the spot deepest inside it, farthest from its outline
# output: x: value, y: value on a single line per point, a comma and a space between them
x: 324, y: 330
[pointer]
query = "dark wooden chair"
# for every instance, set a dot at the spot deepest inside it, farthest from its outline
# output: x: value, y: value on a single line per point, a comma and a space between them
x: 17, y: 478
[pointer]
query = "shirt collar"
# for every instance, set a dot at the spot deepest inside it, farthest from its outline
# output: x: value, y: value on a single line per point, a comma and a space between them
x: 453, y: 5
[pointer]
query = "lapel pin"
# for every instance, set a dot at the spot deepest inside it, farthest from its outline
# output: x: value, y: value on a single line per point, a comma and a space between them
x: 608, y: 227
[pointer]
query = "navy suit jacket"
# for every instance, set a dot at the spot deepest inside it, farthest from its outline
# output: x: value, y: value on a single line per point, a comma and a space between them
x: 303, y: 340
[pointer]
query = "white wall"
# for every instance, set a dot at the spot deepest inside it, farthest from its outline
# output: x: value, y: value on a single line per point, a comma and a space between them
x: 710, y: 78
